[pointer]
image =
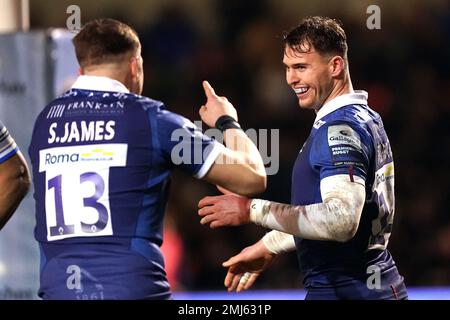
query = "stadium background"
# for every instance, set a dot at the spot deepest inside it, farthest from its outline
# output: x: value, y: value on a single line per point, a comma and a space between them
x: 236, y: 45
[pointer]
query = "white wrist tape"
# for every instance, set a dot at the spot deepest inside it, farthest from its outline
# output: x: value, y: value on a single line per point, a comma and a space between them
x: 258, y: 209
x: 278, y: 242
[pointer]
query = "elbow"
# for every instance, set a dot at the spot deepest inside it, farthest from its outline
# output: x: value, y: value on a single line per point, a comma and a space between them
x: 346, y: 232
x: 20, y: 177
x: 16, y: 189
x: 256, y: 185
x: 343, y: 219
x: 25, y: 181
x: 25, y: 185
x: 259, y: 184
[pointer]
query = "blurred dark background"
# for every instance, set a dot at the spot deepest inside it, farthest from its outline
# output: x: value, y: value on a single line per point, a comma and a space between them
x: 236, y: 45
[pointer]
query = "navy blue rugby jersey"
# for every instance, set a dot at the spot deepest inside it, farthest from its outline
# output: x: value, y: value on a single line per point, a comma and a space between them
x: 347, y: 138
x: 102, y: 159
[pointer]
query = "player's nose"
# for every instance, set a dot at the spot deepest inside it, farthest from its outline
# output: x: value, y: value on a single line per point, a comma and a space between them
x: 292, y: 78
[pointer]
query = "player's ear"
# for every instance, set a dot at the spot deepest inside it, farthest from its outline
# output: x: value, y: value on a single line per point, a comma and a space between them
x: 133, y: 67
x: 337, y: 66
x: 80, y: 71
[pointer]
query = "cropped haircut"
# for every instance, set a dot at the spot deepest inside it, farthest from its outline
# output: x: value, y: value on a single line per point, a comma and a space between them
x: 104, y: 41
x: 323, y: 34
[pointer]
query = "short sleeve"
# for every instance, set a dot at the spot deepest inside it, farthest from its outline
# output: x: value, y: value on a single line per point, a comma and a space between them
x: 338, y: 148
x: 8, y: 146
x: 183, y: 143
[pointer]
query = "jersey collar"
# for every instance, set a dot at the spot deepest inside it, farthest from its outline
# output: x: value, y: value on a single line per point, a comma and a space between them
x: 99, y: 84
x: 356, y: 97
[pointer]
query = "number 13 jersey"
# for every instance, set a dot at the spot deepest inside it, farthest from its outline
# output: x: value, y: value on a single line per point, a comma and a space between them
x: 101, y: 159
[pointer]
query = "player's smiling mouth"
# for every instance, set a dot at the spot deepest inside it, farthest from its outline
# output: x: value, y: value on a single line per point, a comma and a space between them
x: 301, y: 90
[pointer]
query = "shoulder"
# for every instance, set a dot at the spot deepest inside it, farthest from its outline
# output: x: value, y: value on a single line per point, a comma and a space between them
x: 147, y: 104
x: 355, y: 118
x: 4, y: 133
x: 158, y: 112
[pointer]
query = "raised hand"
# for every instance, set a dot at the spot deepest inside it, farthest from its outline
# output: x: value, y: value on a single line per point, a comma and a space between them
x: 215, y: 107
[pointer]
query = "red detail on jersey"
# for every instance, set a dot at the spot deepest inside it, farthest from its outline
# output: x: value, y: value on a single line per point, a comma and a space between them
x: 394, y: 292
x: 350, y: 173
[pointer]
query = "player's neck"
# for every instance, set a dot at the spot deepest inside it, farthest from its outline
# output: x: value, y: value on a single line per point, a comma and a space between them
x: 108, y: 71
x: 341, y: 87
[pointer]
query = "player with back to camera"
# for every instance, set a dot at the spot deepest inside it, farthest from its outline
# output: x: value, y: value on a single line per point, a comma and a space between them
x: 102, y: 156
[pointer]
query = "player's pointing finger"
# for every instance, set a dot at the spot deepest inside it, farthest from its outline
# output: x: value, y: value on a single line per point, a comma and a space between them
x: 209, y: 91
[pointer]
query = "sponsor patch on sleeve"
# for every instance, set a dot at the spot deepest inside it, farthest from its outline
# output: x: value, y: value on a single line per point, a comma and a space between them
x: 343, y: 140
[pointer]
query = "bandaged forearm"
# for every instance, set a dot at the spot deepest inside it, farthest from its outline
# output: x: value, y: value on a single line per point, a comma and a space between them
x: 278, y: 242
x: 336, y: 218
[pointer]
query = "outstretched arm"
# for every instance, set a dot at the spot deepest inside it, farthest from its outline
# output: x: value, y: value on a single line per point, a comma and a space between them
x: 336, y: 218
x: 245, y: 267
x: 14, y: 185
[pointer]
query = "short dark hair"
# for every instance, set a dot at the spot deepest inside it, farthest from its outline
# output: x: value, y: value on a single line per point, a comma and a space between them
x: 104, y: 41
x: 324, y: 34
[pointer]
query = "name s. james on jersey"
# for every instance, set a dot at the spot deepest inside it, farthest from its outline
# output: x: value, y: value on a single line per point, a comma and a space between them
x: 82, y: 131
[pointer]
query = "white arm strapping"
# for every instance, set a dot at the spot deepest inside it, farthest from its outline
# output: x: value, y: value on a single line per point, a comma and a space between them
x: 278, y: 242
x: 336, y: 218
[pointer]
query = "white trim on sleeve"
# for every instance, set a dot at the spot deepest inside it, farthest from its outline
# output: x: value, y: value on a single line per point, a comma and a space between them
x: 209, y: 161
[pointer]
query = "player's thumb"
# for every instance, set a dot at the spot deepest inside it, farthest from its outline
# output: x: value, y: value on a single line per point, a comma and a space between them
x: 209, y: 91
